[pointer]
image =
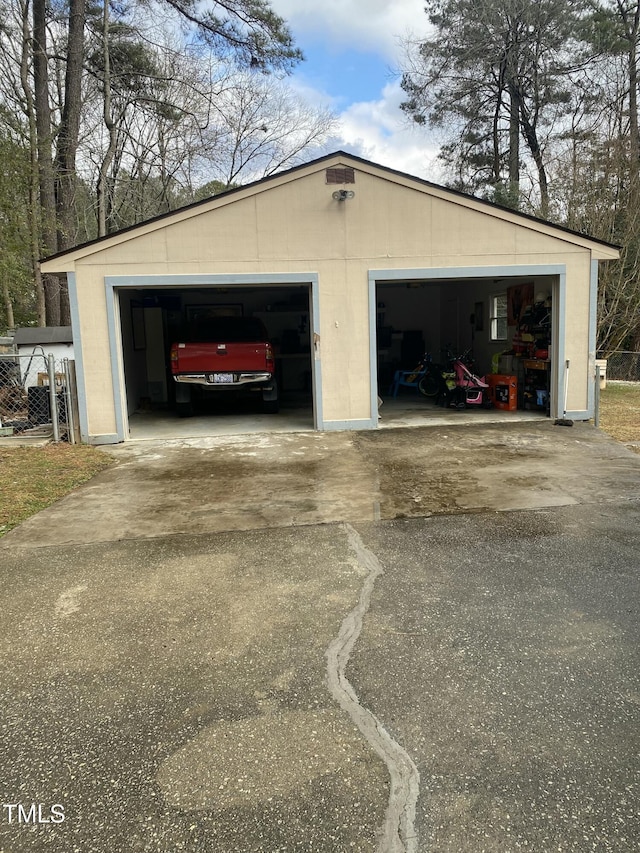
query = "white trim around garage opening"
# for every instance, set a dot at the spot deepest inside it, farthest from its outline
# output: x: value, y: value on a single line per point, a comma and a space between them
x: 593, y: 337
x: 559, y: 271
x: 113, y: 284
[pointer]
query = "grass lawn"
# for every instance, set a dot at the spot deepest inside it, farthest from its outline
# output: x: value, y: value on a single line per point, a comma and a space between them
x: 620, y: 413
x: 32, y: 478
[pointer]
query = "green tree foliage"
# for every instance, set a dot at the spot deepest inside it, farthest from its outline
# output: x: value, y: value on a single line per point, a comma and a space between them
x: 606, y: 198
x: 210, y: 189
x: 248, y: 31
x: 494, y: 76
x: 16, y: 284
x: 537, y: 101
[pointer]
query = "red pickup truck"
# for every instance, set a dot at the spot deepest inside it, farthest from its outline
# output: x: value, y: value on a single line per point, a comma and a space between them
x: 224, y: 354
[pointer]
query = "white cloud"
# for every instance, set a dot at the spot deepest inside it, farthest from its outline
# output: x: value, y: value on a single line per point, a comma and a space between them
x: 365, y: 25
x: 377, y: 131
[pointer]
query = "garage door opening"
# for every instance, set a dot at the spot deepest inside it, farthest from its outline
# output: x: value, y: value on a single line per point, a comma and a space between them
x: 501, y: 327
x: 153, y: 319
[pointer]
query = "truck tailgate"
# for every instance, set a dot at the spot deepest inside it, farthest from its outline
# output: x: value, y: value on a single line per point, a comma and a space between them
x: 233, y: 357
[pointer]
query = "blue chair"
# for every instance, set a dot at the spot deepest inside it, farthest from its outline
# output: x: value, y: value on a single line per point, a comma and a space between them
x: 407, y: 379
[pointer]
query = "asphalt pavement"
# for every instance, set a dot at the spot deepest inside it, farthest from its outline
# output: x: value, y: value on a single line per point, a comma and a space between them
x: 410, y: 640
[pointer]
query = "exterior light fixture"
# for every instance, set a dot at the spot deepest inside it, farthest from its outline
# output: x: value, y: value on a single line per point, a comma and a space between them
x: 343, y: 195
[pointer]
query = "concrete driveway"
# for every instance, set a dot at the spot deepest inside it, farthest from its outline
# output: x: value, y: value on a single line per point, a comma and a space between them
x: 409, y: 640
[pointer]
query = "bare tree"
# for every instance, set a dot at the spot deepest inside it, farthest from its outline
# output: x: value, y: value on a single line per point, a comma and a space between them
x: 175, y: 122
x: 44, y: 148
x: 53, y: 66
x: 260, y: 127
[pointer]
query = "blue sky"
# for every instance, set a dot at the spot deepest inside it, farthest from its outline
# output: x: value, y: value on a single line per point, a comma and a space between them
x: 352, y: 48
x: 349, y: 76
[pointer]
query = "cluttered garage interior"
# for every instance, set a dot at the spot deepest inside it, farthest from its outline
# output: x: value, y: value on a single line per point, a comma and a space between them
x: 381, y: 298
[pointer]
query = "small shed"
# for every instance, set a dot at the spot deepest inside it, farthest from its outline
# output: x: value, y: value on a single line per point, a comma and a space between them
x: 34, y: 343
x: 356, y: 269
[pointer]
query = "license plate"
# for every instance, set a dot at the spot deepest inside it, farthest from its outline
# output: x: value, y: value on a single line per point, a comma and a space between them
x: 221, y: 378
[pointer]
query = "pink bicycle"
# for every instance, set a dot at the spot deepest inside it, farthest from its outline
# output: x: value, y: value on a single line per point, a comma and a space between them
x: 460, y: 387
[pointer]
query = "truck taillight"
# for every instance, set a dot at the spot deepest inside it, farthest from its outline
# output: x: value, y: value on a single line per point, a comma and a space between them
x: 174, y: 354
x: 269, y: 354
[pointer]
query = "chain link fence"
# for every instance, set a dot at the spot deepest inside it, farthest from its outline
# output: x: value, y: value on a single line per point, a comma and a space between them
x: 624, y: 366
x: 38, y: 397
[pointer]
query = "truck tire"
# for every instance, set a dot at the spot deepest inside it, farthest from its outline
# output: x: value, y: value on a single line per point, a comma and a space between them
x: 184, y: 402
x: 271, y: 399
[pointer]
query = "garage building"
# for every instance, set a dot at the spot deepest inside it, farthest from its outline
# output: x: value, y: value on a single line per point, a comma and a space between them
x: 356, y: 270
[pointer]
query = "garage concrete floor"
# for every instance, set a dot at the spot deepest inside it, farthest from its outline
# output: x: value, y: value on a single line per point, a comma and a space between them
x: 413, y: 411
x: 404, y: 411
x: 162, y: 424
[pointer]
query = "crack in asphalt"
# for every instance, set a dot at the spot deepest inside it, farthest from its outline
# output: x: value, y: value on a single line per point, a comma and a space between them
x: 398, y: 833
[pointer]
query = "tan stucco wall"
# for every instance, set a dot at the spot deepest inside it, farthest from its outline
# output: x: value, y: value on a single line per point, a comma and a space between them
x: 296, y: 226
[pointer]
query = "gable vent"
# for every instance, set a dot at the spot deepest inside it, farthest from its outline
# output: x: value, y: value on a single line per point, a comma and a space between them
x: 341, y: 175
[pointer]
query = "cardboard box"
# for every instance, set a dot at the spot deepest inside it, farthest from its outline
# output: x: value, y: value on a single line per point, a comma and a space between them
x: 503, y: 391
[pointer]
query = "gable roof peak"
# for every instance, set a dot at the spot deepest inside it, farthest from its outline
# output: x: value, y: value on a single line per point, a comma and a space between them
x: 339, y: 158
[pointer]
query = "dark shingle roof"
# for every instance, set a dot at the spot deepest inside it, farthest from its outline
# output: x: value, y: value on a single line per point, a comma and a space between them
x: 43, y: 335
